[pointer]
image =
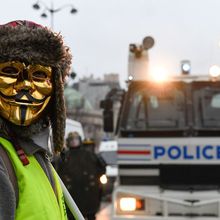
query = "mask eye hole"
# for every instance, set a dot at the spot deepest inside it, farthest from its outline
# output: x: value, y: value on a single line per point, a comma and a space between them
x: 10, y: 70
x: 39, y: 75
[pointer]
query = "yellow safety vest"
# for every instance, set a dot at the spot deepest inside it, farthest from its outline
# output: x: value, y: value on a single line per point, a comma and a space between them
x: 37, y: 200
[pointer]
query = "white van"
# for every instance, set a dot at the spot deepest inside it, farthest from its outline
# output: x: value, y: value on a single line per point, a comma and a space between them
x: 108, y: 151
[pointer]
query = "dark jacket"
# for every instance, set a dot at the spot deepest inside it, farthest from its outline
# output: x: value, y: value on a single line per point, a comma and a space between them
x: 80, y: 172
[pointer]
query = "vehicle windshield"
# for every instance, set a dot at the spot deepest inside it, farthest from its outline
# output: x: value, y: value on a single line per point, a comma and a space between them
x: 172, y: 109
x: 153, y: 109
x: 207, y: 108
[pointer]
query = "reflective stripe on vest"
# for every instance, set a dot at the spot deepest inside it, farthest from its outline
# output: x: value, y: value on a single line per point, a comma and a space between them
x: 37, y: 200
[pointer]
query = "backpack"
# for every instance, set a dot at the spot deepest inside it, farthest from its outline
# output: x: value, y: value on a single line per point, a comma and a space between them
x: 11, y: 173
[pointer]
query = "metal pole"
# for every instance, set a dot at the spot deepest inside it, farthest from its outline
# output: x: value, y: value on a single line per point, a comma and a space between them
x: 52, y: 15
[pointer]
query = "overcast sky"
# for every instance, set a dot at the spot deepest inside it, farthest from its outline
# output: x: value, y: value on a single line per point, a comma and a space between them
x: 99, y: 34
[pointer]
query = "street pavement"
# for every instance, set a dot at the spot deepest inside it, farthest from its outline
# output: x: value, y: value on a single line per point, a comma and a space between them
x: 105, y: 212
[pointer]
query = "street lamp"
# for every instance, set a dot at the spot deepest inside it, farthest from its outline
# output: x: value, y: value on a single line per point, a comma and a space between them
x: 52, y: 10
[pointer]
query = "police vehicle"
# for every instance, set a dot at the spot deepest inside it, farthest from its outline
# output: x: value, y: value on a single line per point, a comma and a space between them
x: 168, y: 136
x: 108, y: 151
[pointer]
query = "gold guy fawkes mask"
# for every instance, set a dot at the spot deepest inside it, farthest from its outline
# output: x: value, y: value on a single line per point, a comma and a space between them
x: 25, y: 91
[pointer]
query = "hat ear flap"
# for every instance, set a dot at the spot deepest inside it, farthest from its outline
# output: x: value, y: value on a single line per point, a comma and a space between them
x: 58, y: 113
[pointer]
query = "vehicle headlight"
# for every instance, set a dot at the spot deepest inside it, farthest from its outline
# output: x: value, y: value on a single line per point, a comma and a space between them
x: 131, y: 204
x: 185, y: 67
x: 103, y: 179
x: 159, y: 74
x: 214, y: 71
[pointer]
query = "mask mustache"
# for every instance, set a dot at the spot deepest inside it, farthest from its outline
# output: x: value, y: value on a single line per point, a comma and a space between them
x: 22, y: 93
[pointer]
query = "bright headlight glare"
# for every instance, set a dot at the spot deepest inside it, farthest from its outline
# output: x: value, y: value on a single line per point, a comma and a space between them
x: 131, y: 204
x: 130, y: 78
x: 159, y: 74
x: 186, y: 67
x: 127, y: 204
x: 214, y: 71
x: 103, y: 179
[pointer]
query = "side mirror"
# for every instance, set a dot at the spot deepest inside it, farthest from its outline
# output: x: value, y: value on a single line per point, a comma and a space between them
x: 108, y: 118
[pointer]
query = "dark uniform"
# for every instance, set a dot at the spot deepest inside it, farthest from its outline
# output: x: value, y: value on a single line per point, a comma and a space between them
x: 80, y: 172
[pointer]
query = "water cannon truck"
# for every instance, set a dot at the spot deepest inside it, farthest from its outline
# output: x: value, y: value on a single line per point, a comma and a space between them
x: 168, y: 135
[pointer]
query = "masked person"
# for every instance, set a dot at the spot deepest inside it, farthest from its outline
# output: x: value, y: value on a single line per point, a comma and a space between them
x: 80, y: 172
x: 33, y: 64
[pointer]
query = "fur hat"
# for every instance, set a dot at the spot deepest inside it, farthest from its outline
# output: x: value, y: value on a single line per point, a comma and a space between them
x: 32, y: 43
